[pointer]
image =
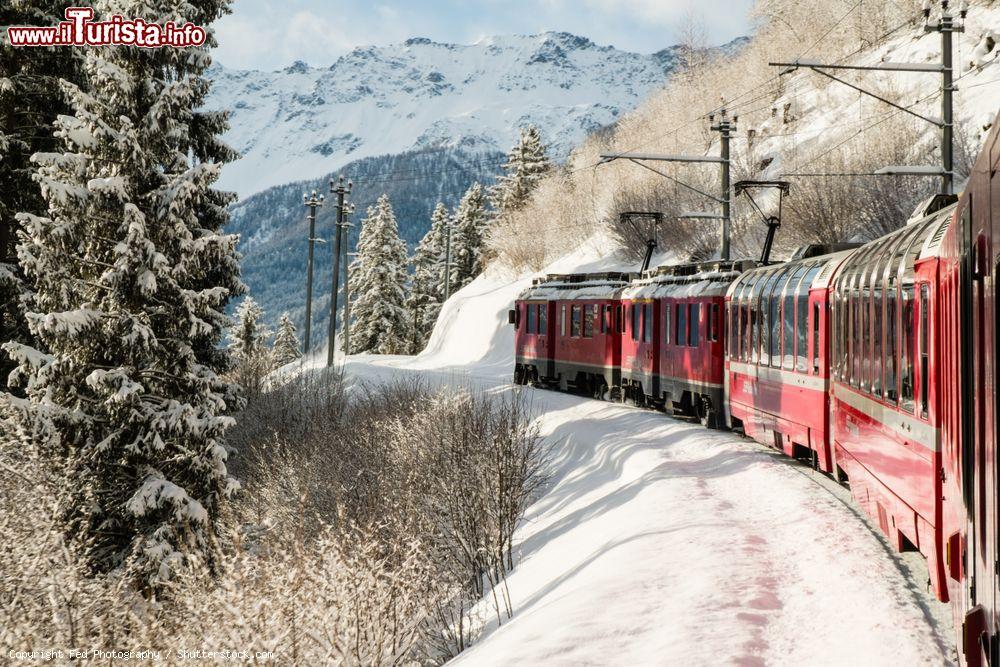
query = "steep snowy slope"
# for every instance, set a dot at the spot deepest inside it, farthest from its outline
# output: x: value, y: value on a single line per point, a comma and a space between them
x: 302, y: 122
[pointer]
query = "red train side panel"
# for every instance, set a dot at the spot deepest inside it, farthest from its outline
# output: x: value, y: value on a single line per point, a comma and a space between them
x: 777, y: 360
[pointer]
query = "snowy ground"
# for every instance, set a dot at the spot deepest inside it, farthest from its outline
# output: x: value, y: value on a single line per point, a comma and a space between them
x: 658, y: 542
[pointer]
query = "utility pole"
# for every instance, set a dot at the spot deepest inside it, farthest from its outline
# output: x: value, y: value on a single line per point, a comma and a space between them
x: 347, y: 278
x: 347, y: 302
x: 341, y: 190
x: 447, y: 263
x: 312, y: 203
x: 946, y: 25
x: 725, y: 128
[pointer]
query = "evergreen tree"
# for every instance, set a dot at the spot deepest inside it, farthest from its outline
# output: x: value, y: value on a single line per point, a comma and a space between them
x: 382, y: 323
x: 30, y: 100
x: 131, y: 277
x: 250, y: 358
x: 286, y: 342
x: 427, y: 290
x: 249, y: 333
x: 527, y: 163
x: 468, y: 232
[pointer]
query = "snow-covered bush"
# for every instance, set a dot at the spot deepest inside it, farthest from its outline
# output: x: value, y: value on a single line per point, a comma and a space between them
x: 452, y: 469
x: 370, y: 524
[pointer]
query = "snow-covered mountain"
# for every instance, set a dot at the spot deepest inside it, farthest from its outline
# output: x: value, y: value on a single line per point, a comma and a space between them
x: 302, y: 122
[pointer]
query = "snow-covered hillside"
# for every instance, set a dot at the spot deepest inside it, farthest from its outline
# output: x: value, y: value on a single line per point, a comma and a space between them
x: 303, y: 122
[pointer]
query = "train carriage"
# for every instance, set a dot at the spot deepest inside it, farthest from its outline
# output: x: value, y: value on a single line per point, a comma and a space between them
x: 672, y: 349
x: 776, y: 359
x: 884, y: 407
x: 964, y: 399
x: 567, y: 332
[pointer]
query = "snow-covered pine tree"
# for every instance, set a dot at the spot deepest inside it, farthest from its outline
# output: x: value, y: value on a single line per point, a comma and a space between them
x: 30, y: 100
x: 250, y: 358
x: 427, y: 289
x: 286, y: 342
x: 382, y: 323
x: 527, y: 163
x: 131, y: 277
x: 468, y: 230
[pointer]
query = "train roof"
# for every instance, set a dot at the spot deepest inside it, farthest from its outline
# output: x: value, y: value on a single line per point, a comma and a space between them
x: 570, y: 286
x: 686, y: 280
x: 892, y: 259
x: 819, y: 268
x: 897, y: 252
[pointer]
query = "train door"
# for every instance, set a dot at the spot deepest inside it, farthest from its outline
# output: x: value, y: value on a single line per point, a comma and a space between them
x: 550, y: 332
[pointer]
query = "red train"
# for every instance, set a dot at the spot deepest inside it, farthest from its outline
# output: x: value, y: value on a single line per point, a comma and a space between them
x: 876, y: 363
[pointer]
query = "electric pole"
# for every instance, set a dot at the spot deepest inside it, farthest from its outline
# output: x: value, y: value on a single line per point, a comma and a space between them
x: 447, y: 263
x: 341, y: 190
x: 347, y: 277
x: 725, y: 128
x: 946, y: 25
x: 347, y: 303
x: 312, y: 203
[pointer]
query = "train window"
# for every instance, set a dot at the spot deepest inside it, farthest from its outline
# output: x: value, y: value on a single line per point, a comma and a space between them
x: 636, y: 324
x: 620, y: 318
x: 788, y: 329
x: 907, y: 349
x: 891, y: 390
x: 562, y: 321
x: 878, y: 339
x: 924, y: 349
x: 680, y: 337
x: 532, y: 326
x: 730, y: 331
x: 866, y: 338
x: 666, y: 322
x: 589, y: 313
x: 543, y: 319
x: 602, y: 314
x: 694, y: 319
x: 855, y: 338
x: 713, y: 323
x: 817, y: 324
x: 760, y: 323
x: 745, y: 332
x: 647, y: 323
x: 575, y: 322
x: 774, y: 320
x: 802, y: 333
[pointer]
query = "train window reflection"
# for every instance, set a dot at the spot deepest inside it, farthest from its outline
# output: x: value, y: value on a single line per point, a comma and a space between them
x: 906, y: 363
x: 695, y: 319
x: 681, y: 336
x: 924, y: 354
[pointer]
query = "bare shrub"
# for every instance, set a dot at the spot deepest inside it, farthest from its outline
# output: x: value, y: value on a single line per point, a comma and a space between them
x: 372, y: 521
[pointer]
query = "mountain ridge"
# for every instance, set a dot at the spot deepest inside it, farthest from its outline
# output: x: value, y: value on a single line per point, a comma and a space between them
x: 301, y: 121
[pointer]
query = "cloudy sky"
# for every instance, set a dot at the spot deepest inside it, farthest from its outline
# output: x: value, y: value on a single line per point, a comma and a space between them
x: 270, y: 34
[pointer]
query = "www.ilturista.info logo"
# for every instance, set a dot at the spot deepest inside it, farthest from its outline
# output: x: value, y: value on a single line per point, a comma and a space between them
x: 79, y: 30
